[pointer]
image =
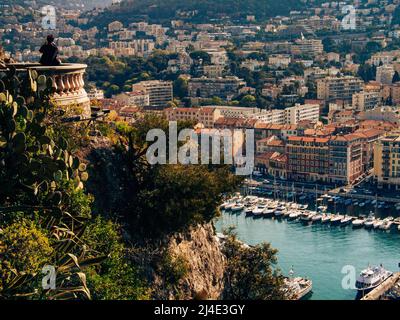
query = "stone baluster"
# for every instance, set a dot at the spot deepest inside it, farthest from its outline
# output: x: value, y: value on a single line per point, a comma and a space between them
x: 54, y: 84
x: 67, y: 85
x: 60, y: 85
x: 81, y: 82
x: 73, y: 83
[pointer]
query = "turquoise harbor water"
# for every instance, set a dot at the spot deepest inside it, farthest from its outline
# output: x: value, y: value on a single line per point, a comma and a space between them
x: 319, y: 251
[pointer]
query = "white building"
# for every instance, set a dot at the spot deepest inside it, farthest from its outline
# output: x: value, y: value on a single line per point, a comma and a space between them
x: 160, y: 92
x: 303, y: 112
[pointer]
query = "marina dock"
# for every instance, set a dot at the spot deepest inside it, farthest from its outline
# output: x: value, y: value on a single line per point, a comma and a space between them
x: 379, y: 292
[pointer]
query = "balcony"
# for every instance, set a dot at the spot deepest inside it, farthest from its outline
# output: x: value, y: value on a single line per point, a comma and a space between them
x: 67, y: 81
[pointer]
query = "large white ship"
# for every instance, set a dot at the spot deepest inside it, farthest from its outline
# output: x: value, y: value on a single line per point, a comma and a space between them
x: 371, y: 277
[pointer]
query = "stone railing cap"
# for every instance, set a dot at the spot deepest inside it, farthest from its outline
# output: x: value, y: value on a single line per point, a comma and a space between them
x: 39, y: 67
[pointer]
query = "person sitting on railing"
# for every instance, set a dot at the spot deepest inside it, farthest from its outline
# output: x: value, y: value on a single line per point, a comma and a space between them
x: 49, y: 53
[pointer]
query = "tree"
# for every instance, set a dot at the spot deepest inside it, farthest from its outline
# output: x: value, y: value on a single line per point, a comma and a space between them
x: 248, y: 101
x: 153, y: 203
x: 116, y: 278
x: 367, y: 72
x: 201, y: 55
x: 249, y: 272
x: 180, y: 87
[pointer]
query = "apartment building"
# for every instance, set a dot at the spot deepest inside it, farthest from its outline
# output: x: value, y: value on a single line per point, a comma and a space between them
x: 368, y: 138
x: 160, y: 92
x: 384, y: 74
x: 310, y: 47
x: 364, y: 100
x: 308, y: 158
x: 213, y: 70
x: 387, y: 161
x: 343, y: 88
x: 303, y: 112
x: 139, y: 47
x: 345, y: 158
x: 137, y: 98
x: 205, y: 116
x: 279, y: 60
x: 224, y: 88
x: 95, y: 94
x: 264, y: 130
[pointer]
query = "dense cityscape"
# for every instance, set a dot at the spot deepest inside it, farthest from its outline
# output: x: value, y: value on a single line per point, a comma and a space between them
x: 316, y: 82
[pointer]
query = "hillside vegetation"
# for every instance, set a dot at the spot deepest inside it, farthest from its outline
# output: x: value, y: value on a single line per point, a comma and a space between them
x: 195, y: 10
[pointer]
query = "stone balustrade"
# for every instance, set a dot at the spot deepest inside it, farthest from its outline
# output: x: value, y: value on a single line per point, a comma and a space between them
x: 68, y: 83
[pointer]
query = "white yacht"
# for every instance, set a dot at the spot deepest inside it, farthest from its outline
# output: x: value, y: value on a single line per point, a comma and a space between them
x: 297, y: 287
x: 346, y: 220
x: 279, y: 211
x: 358, y: 223
x: 317, y: 217
x: 237, y: 207
x: 305, y: 216
x: 336, y: 218
x: 229, y: 205
x: 258, y: 211
x: 294, y: 215
x: 249, y: 210
x: 326, y: 218
x: 268, y: 212
x: 387, y: 223
x: 371, y: 277
x: 369, y: 223
x: 377, y: 224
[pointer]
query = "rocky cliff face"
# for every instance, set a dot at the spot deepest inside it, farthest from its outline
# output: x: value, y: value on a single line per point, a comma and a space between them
x: 205, y: 263
x: 198, y: 247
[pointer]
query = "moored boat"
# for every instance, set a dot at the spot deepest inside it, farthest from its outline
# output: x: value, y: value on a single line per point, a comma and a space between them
x: 378, y: 222
x: 346, y: 220
x: 294, y: 215
x: 279, y: 211
x: 371, y: 277
x: 297, y: 287
x: 336, y: 218
x: 305, y: 216
x: 358, y: 223
x: 369, y: 223
x: 237, y: 207
x: 326, y: 218
x: 316, y: 218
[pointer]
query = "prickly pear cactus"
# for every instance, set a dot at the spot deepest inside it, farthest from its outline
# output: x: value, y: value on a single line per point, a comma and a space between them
x: 34, y: 173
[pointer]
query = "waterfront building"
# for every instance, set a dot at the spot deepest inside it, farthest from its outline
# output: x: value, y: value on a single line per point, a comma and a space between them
x: 308, y: 158
x: 387, y: 161
x: 345, y: 158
